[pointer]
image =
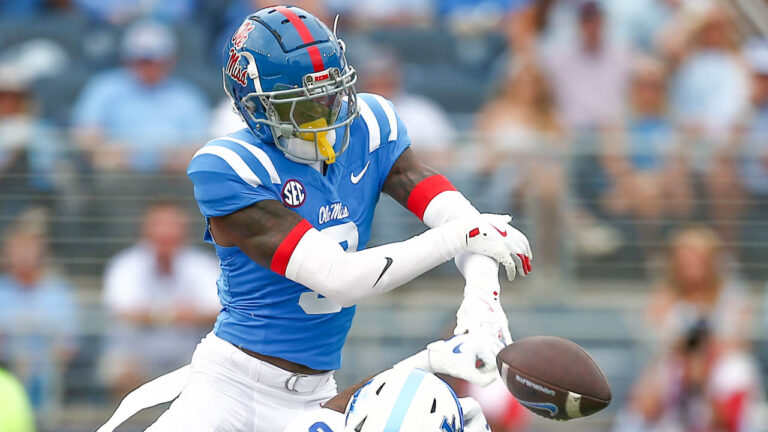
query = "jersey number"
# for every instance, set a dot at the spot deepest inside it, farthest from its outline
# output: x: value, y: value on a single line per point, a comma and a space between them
x: 313, y: 303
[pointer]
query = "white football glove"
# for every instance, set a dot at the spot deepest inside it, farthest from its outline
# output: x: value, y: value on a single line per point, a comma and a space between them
x: 478, y: 316
x: 470, y: 357
x: 493, y: 237
x: 516, y: 243
x: 474, y: 419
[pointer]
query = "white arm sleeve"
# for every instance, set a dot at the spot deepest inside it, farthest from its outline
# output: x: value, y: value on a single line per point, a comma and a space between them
x: 478, y: 270
x: 320, y: 264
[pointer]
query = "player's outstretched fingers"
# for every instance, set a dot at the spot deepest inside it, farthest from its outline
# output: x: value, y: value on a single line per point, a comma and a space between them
x: 519, y: 260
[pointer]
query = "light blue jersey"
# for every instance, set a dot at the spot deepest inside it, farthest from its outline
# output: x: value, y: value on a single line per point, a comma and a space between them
x: 263, y: 311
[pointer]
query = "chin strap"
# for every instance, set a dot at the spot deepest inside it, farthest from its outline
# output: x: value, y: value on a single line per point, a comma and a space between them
x: 323, y: 145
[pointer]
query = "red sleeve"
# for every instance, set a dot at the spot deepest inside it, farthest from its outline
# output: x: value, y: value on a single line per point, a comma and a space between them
x: 285, y: 250
x: 424, y: 192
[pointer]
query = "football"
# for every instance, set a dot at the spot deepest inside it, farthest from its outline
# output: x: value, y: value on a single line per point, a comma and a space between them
x: 553, y: 377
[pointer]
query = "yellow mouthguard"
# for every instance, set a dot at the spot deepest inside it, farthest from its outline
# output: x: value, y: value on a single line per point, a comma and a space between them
x: 325, y: 147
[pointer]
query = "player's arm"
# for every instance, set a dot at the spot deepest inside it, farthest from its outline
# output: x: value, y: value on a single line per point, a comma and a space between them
x: 432, y: 198
x: 280, y: 239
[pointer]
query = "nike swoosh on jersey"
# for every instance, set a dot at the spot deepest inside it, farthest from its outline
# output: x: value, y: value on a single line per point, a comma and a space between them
x: 457, y: 348
x: 356, y: 178
x: 386, y: 267
x: 503, y: 233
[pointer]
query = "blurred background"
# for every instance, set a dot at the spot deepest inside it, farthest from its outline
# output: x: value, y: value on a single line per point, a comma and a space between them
x: 629, y: 138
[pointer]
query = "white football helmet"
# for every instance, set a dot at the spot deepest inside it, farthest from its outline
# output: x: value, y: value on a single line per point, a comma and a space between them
x: 404, y: 400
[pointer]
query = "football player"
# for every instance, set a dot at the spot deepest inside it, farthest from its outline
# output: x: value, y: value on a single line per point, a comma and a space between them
x: 289, y: 202
x: 406, y: 398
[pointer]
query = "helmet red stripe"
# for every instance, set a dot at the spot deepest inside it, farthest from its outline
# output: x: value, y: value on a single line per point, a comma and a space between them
x: 306, y: 37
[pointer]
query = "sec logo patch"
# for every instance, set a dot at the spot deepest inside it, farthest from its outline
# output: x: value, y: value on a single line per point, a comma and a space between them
x: 293, y: 193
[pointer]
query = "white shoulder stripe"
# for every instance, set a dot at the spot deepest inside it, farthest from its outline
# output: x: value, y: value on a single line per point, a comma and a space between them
x: 374, y: 134
x: 391, y: 117
x: 261, y: 156
x: 235, y: 162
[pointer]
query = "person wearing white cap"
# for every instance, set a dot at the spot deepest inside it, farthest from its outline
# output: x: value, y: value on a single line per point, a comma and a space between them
x: 29, y: 149
x: 140, y: 117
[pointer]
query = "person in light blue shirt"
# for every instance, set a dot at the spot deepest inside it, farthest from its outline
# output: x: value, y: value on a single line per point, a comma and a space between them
x: 38, y: 318
x: 140, y: 117
x: 711, y: 87
x: 754, y: 161
x: 118, y: 11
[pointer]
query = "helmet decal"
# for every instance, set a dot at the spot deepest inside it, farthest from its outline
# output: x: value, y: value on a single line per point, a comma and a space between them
x: 241, y: 35
x: 234, y: 69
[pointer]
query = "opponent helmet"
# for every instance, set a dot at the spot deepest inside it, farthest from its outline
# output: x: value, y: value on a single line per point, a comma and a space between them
x: 404, y: 400
x: 289, y: 79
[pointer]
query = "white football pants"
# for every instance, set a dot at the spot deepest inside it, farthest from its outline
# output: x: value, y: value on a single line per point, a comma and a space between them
x: 228, y: 390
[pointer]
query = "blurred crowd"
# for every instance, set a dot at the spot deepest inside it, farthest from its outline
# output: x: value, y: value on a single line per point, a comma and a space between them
x: 630, y: 134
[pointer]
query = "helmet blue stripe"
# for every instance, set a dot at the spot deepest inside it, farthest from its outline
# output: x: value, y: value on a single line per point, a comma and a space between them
x: 403, y: 402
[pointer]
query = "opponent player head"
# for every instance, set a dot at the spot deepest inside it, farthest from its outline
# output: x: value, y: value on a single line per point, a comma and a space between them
x: 405, y: 400
x: 288, y: 78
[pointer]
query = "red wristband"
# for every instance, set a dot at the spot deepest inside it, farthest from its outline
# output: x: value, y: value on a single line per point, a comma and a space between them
x: 285, y: 250
x: 423, y: 193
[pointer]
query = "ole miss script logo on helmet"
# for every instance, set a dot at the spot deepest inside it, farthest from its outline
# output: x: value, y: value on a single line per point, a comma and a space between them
x: 241, y: 35
x: 234, y: 69
x: 293, y: 193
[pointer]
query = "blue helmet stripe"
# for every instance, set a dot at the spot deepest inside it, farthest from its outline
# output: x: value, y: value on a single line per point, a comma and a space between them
x: 403, y: 402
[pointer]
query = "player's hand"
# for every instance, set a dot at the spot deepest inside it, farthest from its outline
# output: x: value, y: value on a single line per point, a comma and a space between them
x: 515, y: 241
x: 492, y: 236
x: 477, y: 316
x: 471, y: 357
x: 474, y: 419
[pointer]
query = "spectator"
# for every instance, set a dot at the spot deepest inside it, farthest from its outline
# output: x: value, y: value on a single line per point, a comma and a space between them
x: 29, y: 150
x: 709, y: 113
x: 15, y: 410
x: 139, y: 117
x: 589, y: 76
x: 38, y: 318
x: 699, y: 385
x: 649, y: 182
x: 754, y: 129
x: 698, y: 287
x: 522, y: 140
x: 119, y: 12
x: 752, y: 136
x: 161, y: 296
x: 429, y: 127
x: 708, y: 54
